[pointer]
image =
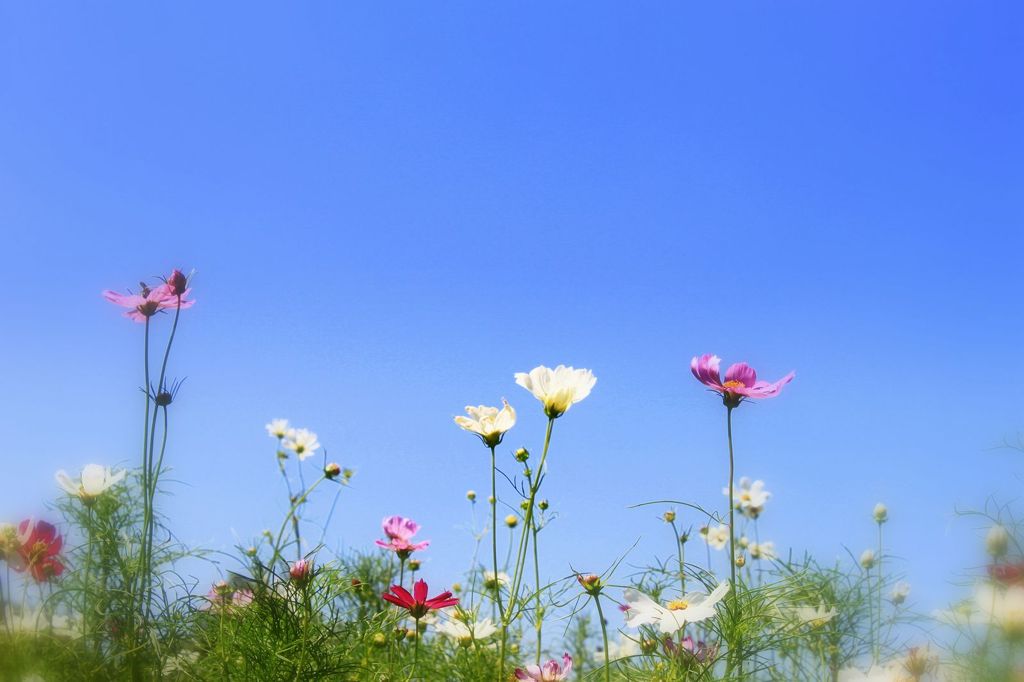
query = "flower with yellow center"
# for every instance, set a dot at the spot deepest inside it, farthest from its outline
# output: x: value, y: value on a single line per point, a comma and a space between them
x: 94, y: 481
x: 559, y: 388
x: 489, y: 423
x: 692, y: 607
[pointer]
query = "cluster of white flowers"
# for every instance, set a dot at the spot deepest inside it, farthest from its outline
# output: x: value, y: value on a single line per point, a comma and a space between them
x: 302, y: 442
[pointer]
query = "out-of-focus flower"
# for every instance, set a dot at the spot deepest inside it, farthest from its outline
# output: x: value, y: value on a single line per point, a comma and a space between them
x: 471, y: 495
x: 551, y: 671
x: 94, y: 481
x: 511, y: 520
x: 148, y: 302
x: 223, y: 597
x: 492, y: 580
x: 669, y: 516
x: 717, y: 537
x: 867, y: 559
x: 9, y: 543
x: 749, y: 497
x: 920, y: 661
x: 689, y: 650
x: 876, y: 673
x: 302, y: 442
x: 880, y: 513
x: 332, y: 470
x: 399, y: 531
x: 740, y: 383
x: 418, y: 604
x: 559, y: 388
x: 1007, y: 574
x: 624, y: 647
x: 489, y: 423
x: 465, y: 633
x: 300, y: 570
x: 1002, y: 607
x: 691, y: 608
x: 900, y: 592
x: 815, y: 616
x: 763, y: 550
x: 40, y: 543
x: 277, y: 428
x: 997, y: 541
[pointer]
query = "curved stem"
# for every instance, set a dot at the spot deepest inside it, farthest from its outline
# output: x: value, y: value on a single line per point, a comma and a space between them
x: 604, y: 635
x: 291, y: 512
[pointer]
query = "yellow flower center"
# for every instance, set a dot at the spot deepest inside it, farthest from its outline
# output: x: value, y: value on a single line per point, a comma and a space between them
x: 678, y: 605
x: 733, y: 384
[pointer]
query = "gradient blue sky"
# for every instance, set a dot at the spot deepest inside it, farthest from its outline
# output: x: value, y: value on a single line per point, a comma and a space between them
x: 392, y: 208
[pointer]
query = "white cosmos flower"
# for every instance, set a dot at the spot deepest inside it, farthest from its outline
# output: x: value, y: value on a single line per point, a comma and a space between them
x: 277, y: 428
x: 900, y: 592
x: 1002, y: 607
x: 464, y: 632
x: 302, y: 442
x: 763, y: 550
x: 489, y: 423
x: 95, y: 480
x: 748, y: 497
x: 717, y: 537
x: 557, y: 388
x: 692, y: 608
x: 491, y: 581
x: 624, y: 647
x: 876, y: 673
x: 815, y: 616
x: 867, y: 559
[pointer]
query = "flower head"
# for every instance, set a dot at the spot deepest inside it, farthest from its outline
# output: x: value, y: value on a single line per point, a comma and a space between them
x: 399, y: 531
x: 417, y: 603
x: 815, y: 616
x: 559, y: 388
x: 277, y: 428
x: 693, y: 607
x: 763, y: 550
x: 867, y: 559
x: 749, y: 497
x: 717, y: 537
x: 94, y: 481
x: 489, y: 423
x: 494, y: 580
x: 40, y: 543
x: 177, y: 284
x: 9, y: 543
x: 302, y: 442
x: 880, y: 513
x: 149, y: 301
x: 301, y: 570
x: 552, y: 671
x: 900, y: 592
x: 464, y: 632
x: 740, y: 383
x: 997, y: 540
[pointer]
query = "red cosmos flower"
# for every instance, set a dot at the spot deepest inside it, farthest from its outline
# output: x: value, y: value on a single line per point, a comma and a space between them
x: 177, y: 284
x: 40, y: 545
x: 417, y: 603
x: 1007, y: 574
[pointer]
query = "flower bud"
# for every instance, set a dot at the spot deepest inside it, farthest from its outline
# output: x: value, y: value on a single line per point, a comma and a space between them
x: 511, y: 520
x: 743, y: 542
x: 379, y: 640
x: 177, y: 283
x: 490, y: 499
x: 591, y: 583
x: 997, y: 541
x: 543, y: 505
x: 414, y: 564
x: 669, y: 516
x: 250, y: 551
x: 300, y: 571
x: 456, y: 587
x: 332, y: 470
x: 522, y: 454
x: 471, y: 495
x: 867, y: 559
x: 881, y: 513
x: 524, y: 505
x: 741, y: 560
x: 648, y: 646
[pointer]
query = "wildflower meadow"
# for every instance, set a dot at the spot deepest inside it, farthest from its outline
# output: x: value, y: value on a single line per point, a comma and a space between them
x: 89, y: 591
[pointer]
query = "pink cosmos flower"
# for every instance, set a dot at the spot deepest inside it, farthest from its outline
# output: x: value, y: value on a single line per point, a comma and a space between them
x: 149, y: 301
x: 740, y: 380
x: 40, y: 545
x: 549, y: 672
x: 300, y: 570
x: 399, y: 531
x: 417, y: 603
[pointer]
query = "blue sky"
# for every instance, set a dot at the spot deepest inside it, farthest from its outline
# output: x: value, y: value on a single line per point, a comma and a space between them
x: 393, y: 208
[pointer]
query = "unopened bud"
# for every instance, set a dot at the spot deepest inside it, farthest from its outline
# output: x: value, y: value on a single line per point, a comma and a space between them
x: 511, y: 520
x: 741, y: 561
x: 997, y: 541
x: 591, y: 583
x: 867, y: 559
x: 332, y: 470
x: 881, y: 513
x: 669, y: 516
x: 177, y: 283
x: 522, y: 454
x: 543, y: 505
x: 471, y: 495
x: 379, y: 640
x: 300, y: 570
x: 414, y: 564
x: 524, y: 505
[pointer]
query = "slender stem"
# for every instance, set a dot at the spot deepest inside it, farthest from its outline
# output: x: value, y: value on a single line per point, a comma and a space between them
x: 539, y: 615
x: 732, y: 534
x: 416, y: 650
x: 679, y: 552
x: 494, y: 544
x: 881, y: 579
x: 291, y: 512
x: 604, y: 635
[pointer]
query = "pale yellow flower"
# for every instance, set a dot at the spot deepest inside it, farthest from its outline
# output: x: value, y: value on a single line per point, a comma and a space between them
x: 559, y: 388
x: 489, y: 423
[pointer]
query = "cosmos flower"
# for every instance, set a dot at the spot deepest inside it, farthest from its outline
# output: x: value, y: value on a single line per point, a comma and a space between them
x: 740, y: 383
x: 624, y: 647
x: 492, y: 580
x: 693, y: 607
x: 900, y: 592
x: 1003, y: 608
x: 94, y: 481
x: 552, y: 671
x: 717, y: 537
x: 399, y: 531
x: 489, y: 423
x: 750, y: 498
x: 300, y: 570
x: 689, y: 650
x: 815, y: 616
x: 559, y: 388
x: 465, y: 633
x: 417, y: 603
x: 149, y: 301
x: 40, y: 543
x: 277, y: 428
x: 876, y: 673
x: 763, y: 550
x: 302, y: 442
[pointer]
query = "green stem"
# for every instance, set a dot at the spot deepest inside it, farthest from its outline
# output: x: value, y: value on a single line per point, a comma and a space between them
x: 494, y: 557
x: 679, y: 552
x: 416, y: 649
x: 539, y: 616
x: 284, y: 524
x: 733, y: 587
x: 604, y: 635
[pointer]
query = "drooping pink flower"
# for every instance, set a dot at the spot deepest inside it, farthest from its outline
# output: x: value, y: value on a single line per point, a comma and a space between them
x: 399, y: 531
x: 40, y: 545
x: 741, y: 382
x: 149, y: 301
x: 549, y: 672
x: 417, y: 603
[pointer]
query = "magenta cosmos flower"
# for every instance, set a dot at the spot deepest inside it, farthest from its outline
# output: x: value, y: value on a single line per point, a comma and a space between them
x: 417, y: 603
x: 149, y: 301
x: 40, y: 545
x: 549, y: 672
x: 740, y: 383
x: 400, y: 531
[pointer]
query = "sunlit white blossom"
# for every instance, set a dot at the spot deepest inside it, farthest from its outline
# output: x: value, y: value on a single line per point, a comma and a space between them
x: 94, y: 481
x: 559, y: 388
x: 693, y: 607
